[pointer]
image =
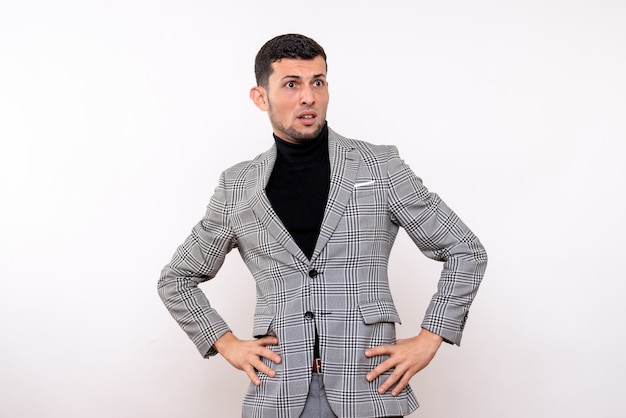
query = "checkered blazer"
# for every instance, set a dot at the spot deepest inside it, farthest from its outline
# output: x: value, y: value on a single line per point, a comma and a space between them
x: 342, y: 291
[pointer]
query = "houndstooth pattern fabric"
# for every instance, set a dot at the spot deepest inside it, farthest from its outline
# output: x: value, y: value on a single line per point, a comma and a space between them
x: 342, y: 291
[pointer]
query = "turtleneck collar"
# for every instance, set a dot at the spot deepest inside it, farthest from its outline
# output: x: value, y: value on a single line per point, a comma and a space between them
x: 290, y: 152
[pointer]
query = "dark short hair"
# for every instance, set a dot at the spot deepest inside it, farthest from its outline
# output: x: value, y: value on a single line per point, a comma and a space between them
x: 284, y: 46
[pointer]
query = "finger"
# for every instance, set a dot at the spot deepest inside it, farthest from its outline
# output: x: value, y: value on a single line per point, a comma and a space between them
x: 404, y: 381
x: 389, y: 382
x: 264, y: 368
x: 381, y: 368
x: 270, y: 355
x: 379, y: 350
x: 267, y: 340
x: 254, y: 378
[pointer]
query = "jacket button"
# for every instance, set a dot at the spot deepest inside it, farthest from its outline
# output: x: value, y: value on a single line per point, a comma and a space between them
x: 312, y: 273
x: 309, y: 315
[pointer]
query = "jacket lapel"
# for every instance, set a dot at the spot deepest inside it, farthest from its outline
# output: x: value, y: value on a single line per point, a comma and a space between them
x: 257, y: 179
x: 344, y: 166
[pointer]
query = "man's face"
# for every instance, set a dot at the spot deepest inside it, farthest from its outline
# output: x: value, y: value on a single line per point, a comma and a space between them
x: 295, y: 99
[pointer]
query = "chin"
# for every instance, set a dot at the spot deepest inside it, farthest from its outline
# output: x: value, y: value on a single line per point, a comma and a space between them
x: 298, y: 134
x: 308, y: 136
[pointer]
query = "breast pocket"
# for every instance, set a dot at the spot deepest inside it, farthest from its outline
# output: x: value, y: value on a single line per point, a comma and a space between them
x: 364, y: 188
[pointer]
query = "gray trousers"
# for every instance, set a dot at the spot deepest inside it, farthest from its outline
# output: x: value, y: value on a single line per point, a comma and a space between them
x: 316, y: 403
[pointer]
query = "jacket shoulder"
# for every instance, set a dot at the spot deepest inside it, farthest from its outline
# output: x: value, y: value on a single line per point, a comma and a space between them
x: 240, y: 170
x: 369, y: 151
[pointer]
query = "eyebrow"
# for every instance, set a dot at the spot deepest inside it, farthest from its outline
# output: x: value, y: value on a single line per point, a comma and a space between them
x: 321, y: 75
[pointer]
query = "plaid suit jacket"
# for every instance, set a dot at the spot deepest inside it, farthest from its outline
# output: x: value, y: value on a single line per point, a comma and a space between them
x: 342, y: 291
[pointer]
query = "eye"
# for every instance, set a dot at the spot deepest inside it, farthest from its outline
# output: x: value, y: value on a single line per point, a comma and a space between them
x: 318, y: 83
x: 290, y: 84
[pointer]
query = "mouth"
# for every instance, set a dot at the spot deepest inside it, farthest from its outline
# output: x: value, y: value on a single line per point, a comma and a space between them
x: 307, y: 118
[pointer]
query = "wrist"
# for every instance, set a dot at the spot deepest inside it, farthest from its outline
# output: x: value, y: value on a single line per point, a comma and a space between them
x: 430, y: 336
x: 222, y: 342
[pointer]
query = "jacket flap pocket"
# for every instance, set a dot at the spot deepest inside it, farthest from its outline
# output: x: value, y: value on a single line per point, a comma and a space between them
x: 262, y: 325
x: 379, y: 311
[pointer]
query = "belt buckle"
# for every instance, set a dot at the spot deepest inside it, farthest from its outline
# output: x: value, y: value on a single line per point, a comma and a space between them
x: 317, y: 365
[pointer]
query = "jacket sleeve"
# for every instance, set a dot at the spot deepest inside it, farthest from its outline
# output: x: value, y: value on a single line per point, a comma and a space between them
x: 440, y: 235
x: 197, y: 260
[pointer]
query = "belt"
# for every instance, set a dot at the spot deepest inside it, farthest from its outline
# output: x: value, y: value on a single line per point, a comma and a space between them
x: 317, y: 365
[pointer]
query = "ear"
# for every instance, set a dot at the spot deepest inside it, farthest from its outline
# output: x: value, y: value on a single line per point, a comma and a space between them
x: 258, y: 95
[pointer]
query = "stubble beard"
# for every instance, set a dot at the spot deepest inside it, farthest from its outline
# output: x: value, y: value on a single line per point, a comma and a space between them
x: 292, y: 133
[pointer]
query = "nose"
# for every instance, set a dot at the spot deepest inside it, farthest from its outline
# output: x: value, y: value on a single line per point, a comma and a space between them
x: 308, y: 96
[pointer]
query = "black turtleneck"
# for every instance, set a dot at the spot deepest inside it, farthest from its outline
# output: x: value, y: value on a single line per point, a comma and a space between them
x: 298, y: 188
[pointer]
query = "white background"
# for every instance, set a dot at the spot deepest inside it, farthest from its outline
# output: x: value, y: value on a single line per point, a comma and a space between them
x: 116, y: 118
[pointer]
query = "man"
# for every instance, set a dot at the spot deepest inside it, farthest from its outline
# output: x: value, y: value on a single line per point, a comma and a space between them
x: 314, y: 219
